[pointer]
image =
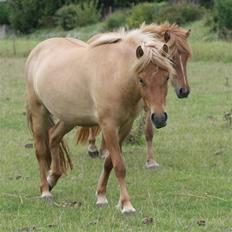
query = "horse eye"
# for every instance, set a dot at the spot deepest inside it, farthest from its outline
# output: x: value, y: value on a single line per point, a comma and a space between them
x: 141, y: 81
x: 167, y: 78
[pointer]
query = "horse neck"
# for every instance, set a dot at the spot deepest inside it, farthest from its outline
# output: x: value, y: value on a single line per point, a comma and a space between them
x: 133, y: 92
x: 130, y: 91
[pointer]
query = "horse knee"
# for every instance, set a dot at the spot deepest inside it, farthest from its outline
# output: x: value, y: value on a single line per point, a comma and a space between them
x: 54, y: 141
x: 120, y: 170
x: 149, y: 134
x: 40, y: 150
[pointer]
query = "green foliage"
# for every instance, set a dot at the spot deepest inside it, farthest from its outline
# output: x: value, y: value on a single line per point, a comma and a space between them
x: 116, y: 20
x: 223, y: 18
x: 24, y: 14
x: 179, y: 14
x: 206, y: 3
x: 49, y: 8
x: 161, y: 12
x: 136, y: 135
x: 90, y: 14
x: 71, y: 16
x: 144, y: 12
x: 67, y: 16
x: 4, y: 13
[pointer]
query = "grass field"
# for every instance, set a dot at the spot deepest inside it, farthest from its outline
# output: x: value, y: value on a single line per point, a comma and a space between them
x: 192, y: 185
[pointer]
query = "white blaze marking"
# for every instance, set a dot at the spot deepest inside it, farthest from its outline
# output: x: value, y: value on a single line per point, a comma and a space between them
x: 182, y: 68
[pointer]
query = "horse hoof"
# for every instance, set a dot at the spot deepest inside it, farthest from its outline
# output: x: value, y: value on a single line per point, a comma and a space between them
x: 152, y: 164
x: 93, y: 154
x: 101, y: 201
x: 128, y: 210
x: 47, y: 196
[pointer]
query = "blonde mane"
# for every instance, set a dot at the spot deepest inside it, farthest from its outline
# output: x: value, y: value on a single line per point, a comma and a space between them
x: 178, y: 39
x: 152, y: 48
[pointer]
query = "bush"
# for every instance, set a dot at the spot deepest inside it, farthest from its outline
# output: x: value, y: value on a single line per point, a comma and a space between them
x: 4, y: 13
x: 136, y: 135
x: 24, y: 14
x: 179, y: 14
x: 144, y: 12
x: 90, y: 14
x: 116, y: 20
x: 67, y: 16
x: 71, y: 16
x: 207, y: 3
x: 161, y: 12
x: 223, y: 18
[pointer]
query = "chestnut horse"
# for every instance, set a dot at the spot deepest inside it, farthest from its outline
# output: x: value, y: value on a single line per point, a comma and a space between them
x: 180, y: 51
x: 93, y: 85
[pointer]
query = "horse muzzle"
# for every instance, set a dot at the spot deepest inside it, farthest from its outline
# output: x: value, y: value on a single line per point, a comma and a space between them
x: 182, y: 92
x: 159, y: 120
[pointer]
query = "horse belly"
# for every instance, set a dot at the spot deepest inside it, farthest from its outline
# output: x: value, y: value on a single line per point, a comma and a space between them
x: 78, y: 113
x: 69, y: 103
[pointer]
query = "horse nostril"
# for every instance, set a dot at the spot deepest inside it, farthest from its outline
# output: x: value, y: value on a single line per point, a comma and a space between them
x: 166, y: 116
x: 182, y: 91
x: 153, y: 117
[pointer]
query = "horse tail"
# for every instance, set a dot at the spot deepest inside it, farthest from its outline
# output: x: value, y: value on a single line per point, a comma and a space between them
x: 46, y: 122
x: 83, y: 133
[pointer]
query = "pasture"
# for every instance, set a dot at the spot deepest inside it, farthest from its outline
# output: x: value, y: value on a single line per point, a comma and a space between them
x: 191, y: 191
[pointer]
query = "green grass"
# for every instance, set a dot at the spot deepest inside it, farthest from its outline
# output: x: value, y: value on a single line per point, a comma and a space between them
x: 17, y: 47
x: 21, y: 46
x: 206, y: 46
x: 193, y: 183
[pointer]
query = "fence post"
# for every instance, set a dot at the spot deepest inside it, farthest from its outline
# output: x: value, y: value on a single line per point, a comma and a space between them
x: 14, y: 45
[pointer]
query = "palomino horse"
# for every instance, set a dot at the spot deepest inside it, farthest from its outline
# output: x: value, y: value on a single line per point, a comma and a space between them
x: 97, y: 85
x: 179, y: 50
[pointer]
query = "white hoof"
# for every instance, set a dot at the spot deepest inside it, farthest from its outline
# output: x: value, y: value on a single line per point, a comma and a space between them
x: 101, y: 201
x: 47, y: 196
x: 126, y: 209
x: 151, y: 164
x: 92, y: 150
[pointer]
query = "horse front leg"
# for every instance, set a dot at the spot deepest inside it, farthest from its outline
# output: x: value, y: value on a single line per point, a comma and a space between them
x: 150, y: 162
x: 115, y: 160
x: 102, y: 183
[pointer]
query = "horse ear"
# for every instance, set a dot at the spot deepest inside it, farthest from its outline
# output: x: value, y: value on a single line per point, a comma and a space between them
x: 167, y: 36
x: 139, y: 52
x: 188, y: 33
x: 164, y: 50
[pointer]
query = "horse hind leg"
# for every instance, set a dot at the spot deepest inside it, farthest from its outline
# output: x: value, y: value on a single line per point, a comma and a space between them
x: 59, y: 152
x: 92, y: 148
x: 103, y: 151
x: 38, y: 122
